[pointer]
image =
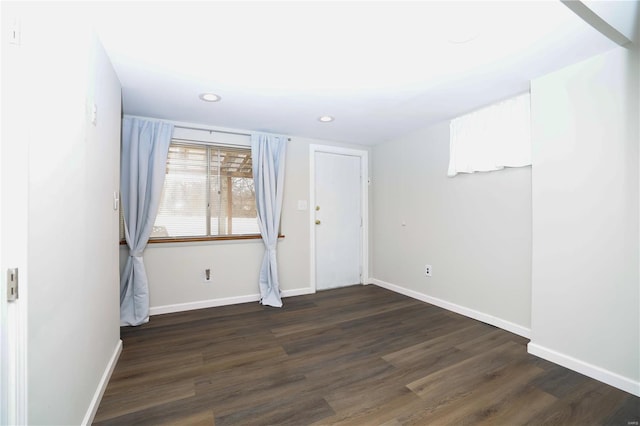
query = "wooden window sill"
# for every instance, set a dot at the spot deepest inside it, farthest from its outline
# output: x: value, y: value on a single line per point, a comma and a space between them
x: 200, y: 239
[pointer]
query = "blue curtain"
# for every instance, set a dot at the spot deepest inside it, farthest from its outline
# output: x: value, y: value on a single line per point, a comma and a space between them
x: 145, y: 146
x: 268, y: 154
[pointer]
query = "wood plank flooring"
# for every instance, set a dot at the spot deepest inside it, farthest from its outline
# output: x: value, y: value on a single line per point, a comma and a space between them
x: 352, y: 356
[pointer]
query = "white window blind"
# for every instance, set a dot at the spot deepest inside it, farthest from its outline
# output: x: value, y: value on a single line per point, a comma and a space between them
x: 208, y: 191
x: 491, y: 138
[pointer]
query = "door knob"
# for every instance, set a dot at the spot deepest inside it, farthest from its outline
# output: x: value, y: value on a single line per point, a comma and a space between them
x: 317, y: 222
x: 317, y: 208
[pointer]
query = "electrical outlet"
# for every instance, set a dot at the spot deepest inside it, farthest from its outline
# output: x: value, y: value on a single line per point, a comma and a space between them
x: 428, y: 270
x: 207, y: 276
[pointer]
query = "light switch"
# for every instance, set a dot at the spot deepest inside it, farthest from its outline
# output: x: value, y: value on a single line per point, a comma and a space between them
x: 302, y: 204
x: 14, y: 32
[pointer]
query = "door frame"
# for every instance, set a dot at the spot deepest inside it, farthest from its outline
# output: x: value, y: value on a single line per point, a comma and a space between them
x: 16, y: 113
x: 364, y: 206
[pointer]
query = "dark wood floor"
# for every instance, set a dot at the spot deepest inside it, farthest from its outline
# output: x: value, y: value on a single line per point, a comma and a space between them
x: 358, y: 355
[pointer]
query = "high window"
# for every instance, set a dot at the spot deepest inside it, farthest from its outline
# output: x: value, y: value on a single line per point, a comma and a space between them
x: 208, y: 192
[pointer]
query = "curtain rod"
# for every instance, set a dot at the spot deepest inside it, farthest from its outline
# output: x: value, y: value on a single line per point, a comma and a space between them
x: 216, y: 131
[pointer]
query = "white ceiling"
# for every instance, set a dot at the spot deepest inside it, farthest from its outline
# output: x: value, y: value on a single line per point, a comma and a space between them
x: 381, y: 69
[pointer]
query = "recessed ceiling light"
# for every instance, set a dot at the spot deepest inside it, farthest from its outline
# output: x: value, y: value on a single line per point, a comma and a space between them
x: 210, y: 97
x: 463, y: 29
x: 326, y: 119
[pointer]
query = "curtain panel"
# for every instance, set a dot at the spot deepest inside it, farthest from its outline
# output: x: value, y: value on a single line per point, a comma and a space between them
x: 145, y: 145
x: 268, y: 156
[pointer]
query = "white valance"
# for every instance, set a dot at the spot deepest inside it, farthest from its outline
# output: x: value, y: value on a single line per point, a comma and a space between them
x: 491, y: 138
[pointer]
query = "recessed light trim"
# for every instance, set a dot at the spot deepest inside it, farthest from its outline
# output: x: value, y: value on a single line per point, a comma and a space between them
x: 326, y: 119
x: 210, y: 97
x: 462, y: 38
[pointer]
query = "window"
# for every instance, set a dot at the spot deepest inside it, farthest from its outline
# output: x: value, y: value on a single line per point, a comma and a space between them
x: 491, y: 138
x: 208, y: 192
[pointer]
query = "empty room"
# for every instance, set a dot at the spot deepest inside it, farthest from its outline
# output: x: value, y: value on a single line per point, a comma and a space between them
x: 320, y: 213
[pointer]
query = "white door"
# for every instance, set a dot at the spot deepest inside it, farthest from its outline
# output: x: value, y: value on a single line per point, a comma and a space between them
x: 338, y: 220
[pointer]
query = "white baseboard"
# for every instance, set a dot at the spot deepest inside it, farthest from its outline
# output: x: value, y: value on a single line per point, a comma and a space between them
x: 102, y: 385
x: 212, y: 303
x: 590, y: 370
x: 468, y: 312
x: 202, y: 304
x: 297, y: 292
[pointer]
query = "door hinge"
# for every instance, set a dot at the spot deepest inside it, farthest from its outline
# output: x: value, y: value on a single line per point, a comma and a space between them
x: 12, y: 284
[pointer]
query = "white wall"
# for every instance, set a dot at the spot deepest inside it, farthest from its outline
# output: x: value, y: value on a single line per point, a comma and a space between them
x: 176, y: 270
x: 475, y: 230
x: 72, y: 240
x: 585, y: 218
